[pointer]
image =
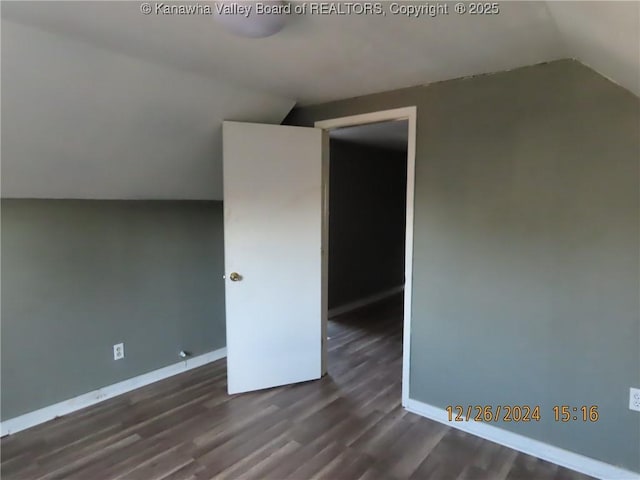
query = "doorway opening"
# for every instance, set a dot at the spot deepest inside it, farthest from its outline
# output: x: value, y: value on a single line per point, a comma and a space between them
x: 368, y: 245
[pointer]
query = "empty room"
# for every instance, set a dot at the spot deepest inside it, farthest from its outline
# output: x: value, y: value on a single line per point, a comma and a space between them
x: 307, y: 239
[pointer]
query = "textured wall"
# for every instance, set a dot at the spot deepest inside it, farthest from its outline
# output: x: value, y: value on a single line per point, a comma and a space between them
x: 79, y: 276
x: 366, y: 221
x: 526, y: 253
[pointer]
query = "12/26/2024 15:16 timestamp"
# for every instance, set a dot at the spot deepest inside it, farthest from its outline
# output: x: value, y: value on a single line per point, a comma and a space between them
x: 521, y: 413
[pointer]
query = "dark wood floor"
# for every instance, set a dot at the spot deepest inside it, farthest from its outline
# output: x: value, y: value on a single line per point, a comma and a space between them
x: 349, y: 425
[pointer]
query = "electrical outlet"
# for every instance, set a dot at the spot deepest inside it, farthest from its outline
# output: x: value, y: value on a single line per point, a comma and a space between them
x: 118, y: 351
x: 634, y: 399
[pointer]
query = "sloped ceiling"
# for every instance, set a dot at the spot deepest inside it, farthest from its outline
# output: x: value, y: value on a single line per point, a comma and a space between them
x: 100, y: 101
x: 82, y: 122
x: 603, y: 35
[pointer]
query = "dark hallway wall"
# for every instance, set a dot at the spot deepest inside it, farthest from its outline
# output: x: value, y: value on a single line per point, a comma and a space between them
x: 366, y: 221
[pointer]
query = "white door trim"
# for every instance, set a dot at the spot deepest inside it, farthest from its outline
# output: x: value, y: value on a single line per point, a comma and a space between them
x: 409, y: 114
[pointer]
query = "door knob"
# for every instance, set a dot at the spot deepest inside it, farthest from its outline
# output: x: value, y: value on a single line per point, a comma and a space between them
x: 235, y: 277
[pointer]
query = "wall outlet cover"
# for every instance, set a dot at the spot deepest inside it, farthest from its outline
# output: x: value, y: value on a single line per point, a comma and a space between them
x: 634, y: 399
x: 118, y: 351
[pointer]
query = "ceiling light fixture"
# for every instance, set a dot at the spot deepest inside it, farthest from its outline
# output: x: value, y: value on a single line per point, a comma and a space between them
x: 241, y: 18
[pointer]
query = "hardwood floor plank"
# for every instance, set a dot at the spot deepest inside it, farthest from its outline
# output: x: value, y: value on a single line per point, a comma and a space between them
x: 165, y: 463
x: 411, y: 448
x: 65, y: 466
x: 316, y: 463
x: 347, y: 464
x: 187, y: 472
x: 234, y: 450
x: 262, y: 469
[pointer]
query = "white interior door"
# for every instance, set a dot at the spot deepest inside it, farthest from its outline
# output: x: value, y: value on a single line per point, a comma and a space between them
x: 275, y: 300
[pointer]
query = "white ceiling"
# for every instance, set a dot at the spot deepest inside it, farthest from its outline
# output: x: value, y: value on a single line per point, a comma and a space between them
x: 101, y: 101
x: 81, y: 122
x: 320, y: 58
x: 392, y: 135
x: 314, y: 58
x: 603, y: 35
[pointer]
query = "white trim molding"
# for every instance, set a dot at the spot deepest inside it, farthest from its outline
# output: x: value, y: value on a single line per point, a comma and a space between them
x: 403, y: 113
x: 363, y: 302
x: 411, y: 115
x: 65, y: 407
x: 536, y: 448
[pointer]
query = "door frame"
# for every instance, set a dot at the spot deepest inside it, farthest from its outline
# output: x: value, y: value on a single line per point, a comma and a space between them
x: 404, y: 113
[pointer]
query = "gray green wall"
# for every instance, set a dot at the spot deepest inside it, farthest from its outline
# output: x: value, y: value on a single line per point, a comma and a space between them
x: 526, y: 253
x: 366, y: 220
x: 79, y: 276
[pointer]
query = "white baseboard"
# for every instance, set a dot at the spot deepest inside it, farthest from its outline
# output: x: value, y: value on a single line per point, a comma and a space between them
x: 363, y: 302
x: 559, y: 456
x: 65, y: 407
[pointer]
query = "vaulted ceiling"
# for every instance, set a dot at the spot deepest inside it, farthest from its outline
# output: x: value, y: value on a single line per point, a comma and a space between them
x: 101, y: 101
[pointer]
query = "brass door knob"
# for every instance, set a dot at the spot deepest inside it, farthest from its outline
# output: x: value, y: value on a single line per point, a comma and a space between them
x: 235, y: 277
